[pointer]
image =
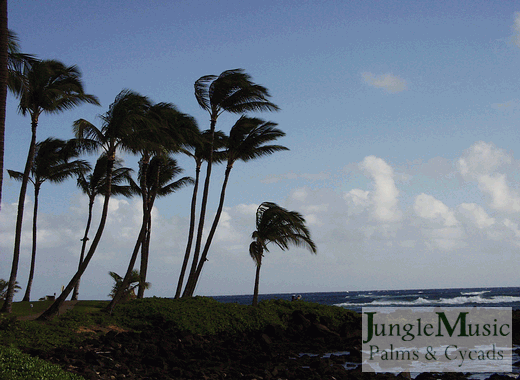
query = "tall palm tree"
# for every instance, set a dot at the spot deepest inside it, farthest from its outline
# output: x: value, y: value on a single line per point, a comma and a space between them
x: 160, y: 171
x: 11, y: 63
x: 232, y: 91
x: 51, y: 163
x: 122, y: 124
x: 199, y: 151
x: 275, y: 224
x: 43, y: 87
x: 169, y: 131
x: 247, y: 141
x: 95, y: 184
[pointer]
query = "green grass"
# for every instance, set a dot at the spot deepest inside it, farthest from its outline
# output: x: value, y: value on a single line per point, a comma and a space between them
x: 206, y: 316
x: 15, y: 365
x: 197, y: 315
x: 22, y: 309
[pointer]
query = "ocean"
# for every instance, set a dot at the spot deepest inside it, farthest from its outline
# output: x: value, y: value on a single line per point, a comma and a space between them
x: 356, y: 300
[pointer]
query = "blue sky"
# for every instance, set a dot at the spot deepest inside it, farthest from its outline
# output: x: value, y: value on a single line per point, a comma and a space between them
x: 401, y: 118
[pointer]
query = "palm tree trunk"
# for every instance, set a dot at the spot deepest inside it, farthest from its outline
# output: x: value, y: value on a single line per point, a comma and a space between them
x: 126, y: 281
x: 8, y: 303
x: 257, y: 281
x: 27, y: 296
x: 53, y: 310
x: 190, y: 234
x: 145, y: 250
x: 213, y: 229
x: 3, y: 85
x: 75, y: 293
x: 190, y: 286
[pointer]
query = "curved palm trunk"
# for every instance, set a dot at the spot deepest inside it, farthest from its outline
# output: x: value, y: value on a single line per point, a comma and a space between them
x: 190, y: 234
x: 27, y: 296
x: 8, y: 303
x: 53, y: 310
x: 3, y: 85
x: 190, y: 286
x: 212, y: 231
x: 126, y: 281
x: 257, y: 281
x: 75, y: 293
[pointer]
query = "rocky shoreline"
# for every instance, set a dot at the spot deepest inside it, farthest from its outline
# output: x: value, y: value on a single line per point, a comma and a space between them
x: 274, y: 353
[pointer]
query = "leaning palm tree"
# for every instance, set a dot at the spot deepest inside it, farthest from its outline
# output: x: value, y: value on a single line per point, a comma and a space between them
x: 248, y: 140
x: 95, y: 184
x: 232, y: 91
x: 51, y: 163
x: 198, y: 149
x: 274, y: 224
x: 122, y: 124
x: 43, y: 87
x: 160, y: 171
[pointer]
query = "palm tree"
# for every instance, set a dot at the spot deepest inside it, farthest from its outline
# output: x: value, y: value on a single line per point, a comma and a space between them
x: 232, y: 91
x: 274, y: 224
x: 169, y: 130
x: 246, y: 141
x: 122, y: 125
x: 43, y: 87
x: 199, y: 151
x: 51, y: 163
x: 12, y: 62
x: 161, y: 170
x: 3, y: 288
x: 95, y: 184
x: 129, y: 291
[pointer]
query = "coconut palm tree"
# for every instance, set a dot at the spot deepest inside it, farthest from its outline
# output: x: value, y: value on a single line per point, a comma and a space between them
x: 4, y: 73
x: 129, y: 291
x: 122, y: 125
x: 11, y: 63
x: 247, y: 141
x: 160, y: 171
x: 95, y: 184
x: 51, y: 163
x: 3, y: 288
x: 232, y: 91
x: 199, y: 151
x: 43, y: 87
x: 169, y: 131
x: 274, y: 224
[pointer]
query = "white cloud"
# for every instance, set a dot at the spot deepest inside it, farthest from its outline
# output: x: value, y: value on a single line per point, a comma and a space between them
x: 481, y: 162
x: 427, y: 207
x: 390, y: 83
x: 482, y: 158
x: 476, y: 214
x: 384, y: 197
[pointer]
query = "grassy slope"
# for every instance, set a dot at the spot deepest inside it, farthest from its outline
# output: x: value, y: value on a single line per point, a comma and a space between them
x: 197, y: 315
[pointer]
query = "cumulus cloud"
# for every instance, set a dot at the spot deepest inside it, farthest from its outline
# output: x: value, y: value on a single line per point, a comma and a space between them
x: 427, y: 207
x: 388, y: 82
x: 385, y: 194
x: 476, y: 214
x: 481, y: 162
x: 482, y: 158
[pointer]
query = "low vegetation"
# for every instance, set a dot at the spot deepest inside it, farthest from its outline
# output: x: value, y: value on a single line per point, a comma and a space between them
x: 199, y: 315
